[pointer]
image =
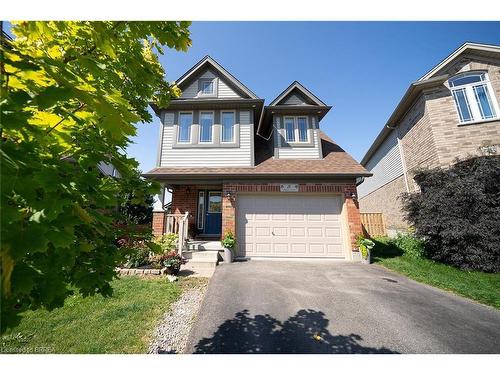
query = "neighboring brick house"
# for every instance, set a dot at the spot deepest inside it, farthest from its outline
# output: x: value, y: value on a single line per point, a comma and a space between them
x: 266, y: 173
x: 451, y: 112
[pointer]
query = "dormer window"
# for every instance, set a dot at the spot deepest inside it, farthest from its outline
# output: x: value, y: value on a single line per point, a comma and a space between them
x: 207, y: 87
x: 474, y: 97
x: 296, y: 129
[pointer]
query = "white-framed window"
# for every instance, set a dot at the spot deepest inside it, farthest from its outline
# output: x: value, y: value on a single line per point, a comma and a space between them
x: 185, y: 122
x: 227, y: 120
x: 206, y: 126
x: 296, y: 129
x: 207, y: 87
x: 302, y: 129
x: 289, y: 129
x: 474, y: 97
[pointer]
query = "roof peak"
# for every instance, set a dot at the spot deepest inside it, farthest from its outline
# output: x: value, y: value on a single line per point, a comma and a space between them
x: 457, y: 52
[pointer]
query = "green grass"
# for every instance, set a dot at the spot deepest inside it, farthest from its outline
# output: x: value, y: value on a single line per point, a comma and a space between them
x: 119, y: 324
x: 480, y: 286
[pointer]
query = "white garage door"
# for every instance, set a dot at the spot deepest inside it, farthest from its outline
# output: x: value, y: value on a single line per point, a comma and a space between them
x: 289, y: 226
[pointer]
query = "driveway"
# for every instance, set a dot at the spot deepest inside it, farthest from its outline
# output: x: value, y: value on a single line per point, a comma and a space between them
x: 335, y: 307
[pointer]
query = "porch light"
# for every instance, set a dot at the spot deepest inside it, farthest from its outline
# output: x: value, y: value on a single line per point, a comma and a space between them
x: 353, y: 196
x: 229, y: 195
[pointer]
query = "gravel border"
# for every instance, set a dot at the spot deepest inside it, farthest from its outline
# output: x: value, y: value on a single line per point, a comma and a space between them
x: 171, y: 335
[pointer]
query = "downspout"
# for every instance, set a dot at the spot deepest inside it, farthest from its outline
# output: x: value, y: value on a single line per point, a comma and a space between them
x: 401, y: 152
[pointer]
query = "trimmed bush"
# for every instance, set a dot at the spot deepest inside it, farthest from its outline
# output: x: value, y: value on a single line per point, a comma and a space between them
x: 457, y: 213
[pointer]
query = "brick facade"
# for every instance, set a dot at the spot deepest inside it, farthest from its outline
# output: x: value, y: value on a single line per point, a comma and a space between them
x: 387, y: 201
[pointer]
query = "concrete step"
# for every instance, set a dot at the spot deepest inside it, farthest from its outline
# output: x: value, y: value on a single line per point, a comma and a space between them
x: 201, y: 255
x: 204, y: 245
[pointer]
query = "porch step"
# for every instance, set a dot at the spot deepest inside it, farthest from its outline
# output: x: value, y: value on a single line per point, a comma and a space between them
x: 204, y: 255
x: 204, y: 245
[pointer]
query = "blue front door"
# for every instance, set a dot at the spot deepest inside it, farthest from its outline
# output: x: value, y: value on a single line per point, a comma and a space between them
x: 213, y: 215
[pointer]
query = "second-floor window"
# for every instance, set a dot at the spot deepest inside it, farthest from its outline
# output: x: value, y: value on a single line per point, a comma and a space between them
x: 185, y: 121
x: 296, y: 129
x: 227, y: 126
x: 474, y: 97
x: 206, y: 126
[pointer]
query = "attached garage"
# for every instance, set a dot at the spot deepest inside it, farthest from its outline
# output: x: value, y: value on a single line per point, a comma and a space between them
x: 290, y: 225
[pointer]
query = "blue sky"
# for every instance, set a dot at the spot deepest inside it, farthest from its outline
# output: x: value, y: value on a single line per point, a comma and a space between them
x: 362, y: 69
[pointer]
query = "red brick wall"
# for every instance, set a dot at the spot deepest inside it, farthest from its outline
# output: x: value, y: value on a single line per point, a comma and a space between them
x: 158, y: 223
x: 353, y: 217
x: 184, y: 199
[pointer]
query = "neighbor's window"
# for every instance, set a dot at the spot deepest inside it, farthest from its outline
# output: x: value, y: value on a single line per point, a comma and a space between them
x: 207, y: 87
x: 185, y: 121
x: 201, y: 209
x: 302, y: 127
x: 289, y: 129
x: 228, y: 126
x: 474, y: 97
x: 206, y: 125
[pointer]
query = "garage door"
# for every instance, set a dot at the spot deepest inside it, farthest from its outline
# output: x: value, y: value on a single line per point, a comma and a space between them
x: 289, y: 226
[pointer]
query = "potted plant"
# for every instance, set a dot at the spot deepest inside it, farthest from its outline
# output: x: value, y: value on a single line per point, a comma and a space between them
x: 228, y: 243
x: 172, y: 262
x: 365, y: 246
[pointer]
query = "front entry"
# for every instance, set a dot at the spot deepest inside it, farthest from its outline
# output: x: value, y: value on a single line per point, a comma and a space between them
x: 210, y: 212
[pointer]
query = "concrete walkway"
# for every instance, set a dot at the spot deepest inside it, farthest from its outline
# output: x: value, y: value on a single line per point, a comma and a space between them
x: 335, y: 307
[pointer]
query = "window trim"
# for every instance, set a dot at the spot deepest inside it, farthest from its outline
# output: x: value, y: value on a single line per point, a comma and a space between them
x: 470, y: 94
x: 233, y: 139
x: 200, y: 132
x: 190, y: 127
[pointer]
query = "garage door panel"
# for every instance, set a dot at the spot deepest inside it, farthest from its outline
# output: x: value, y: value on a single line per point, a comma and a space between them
x: 315, y: 232
x: 281, y: 249
x: 317, y: 248
x: 289, y: 225
x: 298, y: 248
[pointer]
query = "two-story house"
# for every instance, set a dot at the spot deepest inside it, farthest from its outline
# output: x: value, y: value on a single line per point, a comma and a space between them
x: 451, y: 112
x: 266, y: 173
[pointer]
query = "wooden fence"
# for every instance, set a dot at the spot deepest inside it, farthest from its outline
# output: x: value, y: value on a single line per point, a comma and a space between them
x: 373, y: 224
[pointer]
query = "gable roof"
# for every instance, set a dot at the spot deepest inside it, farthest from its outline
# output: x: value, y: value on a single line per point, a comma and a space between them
x: 466, y: 47
x: 295, y: 85
x: 335, y: 163
x: 209, y: 62
x: 429, y: 80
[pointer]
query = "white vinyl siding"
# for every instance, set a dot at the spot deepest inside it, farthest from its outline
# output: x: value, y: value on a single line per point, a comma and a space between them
x: 223, y: 90
x: 385, y: 164
x: 312, y: 151
x: 208, y: 157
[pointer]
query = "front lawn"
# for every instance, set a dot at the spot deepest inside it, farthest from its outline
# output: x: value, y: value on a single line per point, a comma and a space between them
x: 119, y: 324
x: 480, y: 286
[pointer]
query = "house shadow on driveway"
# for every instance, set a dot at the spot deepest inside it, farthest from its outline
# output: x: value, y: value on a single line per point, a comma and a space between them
x: 305, y: 332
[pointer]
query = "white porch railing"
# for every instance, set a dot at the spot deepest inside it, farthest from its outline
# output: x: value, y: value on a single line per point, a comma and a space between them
x: 179, y: 224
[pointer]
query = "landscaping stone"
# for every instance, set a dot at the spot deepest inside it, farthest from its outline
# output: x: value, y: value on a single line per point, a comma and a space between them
x: 171, y: 334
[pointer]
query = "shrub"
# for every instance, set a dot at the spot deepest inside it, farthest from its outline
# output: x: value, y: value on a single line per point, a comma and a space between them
x: 410, y: 245
x: 457, y: 213
x: 167, y: 242
x: 137, y: 254
x: 168, y: 259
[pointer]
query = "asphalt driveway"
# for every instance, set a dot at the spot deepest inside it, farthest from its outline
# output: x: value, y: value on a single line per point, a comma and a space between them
x: 335, y: 307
